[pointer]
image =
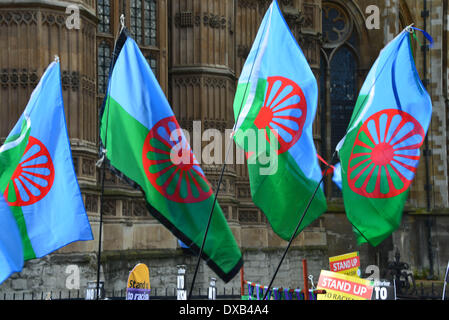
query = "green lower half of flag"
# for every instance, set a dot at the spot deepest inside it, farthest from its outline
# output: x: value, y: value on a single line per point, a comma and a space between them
x: 28, y: 251
x: 284, y: 194
x: 373, y: 214
x: 125, y: 139
x: 278, y: 185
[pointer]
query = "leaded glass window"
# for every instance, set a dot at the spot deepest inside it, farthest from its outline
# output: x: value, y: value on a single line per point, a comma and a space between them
x: 143, y: 21
x: 136, y: 20
x: 343, y: 92
x: 104, y: 16
x: 103, y: 65
x: 150, y: 23
x: 338, y: 94
x: 152, y: 61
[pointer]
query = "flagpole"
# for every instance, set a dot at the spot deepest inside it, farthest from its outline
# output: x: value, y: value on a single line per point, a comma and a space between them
x: 102, y: 163
x: 222, y: 174
x: 207, y: 230
x: 328, y: 165
x: 427, y: 156
x: 103, y: 170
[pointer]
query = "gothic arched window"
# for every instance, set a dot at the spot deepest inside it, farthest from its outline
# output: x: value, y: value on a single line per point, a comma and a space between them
x: 343, y: 92
x: 339, y: 83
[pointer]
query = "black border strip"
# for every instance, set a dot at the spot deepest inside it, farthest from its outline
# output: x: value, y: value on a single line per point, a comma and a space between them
x: 226, y: 277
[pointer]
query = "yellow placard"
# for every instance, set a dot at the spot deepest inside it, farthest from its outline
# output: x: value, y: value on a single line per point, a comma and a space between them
x: 138, y: 287
x: 342, y: 287
x: 348, y: 264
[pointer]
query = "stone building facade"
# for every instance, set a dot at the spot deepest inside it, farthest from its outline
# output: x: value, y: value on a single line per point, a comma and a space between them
x: 197, y: 50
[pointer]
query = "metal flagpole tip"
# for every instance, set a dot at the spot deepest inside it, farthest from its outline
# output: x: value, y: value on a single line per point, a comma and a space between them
x: 409, y: 29
x: 101, y: 160
x: 122, y: 21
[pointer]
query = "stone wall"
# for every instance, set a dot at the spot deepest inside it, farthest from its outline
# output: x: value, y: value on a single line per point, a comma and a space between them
x: 420, y: 253
x: 52, y: 274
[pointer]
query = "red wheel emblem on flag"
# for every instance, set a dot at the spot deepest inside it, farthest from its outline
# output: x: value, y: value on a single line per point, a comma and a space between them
x: 170, y: 164
x: 386, y: 154
x: 284, y: 112
x: 33, y: 177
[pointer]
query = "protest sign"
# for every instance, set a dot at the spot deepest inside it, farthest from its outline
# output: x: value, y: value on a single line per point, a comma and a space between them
x: 342, y: 287
x: 348, y: 264
x: 138, y: 287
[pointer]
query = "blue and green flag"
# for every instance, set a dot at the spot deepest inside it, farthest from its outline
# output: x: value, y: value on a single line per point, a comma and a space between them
x: 146, y: 145
x: 274, y: 108
x: 37, y: 177
x: 380, y: 153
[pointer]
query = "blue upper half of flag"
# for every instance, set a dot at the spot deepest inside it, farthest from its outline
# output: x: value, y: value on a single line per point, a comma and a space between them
x: 394, y: 109
x: 393, y: 83
x: 53, y: 207
x: 11, y: 253
x: 140, y: 95
x: 276, y: 54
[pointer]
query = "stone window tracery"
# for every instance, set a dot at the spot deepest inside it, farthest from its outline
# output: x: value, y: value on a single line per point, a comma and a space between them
x: 337, y: 25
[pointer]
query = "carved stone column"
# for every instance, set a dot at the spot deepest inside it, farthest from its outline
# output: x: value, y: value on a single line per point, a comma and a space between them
x: 32, y: 33
x: 202, y: 84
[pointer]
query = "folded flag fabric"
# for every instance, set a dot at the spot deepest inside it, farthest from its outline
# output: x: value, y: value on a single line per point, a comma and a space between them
x: 337, y: 176
x: 381, y: 151
x: 145, y: 143
x: 276, y: 103
x: 12, y: 151
x: 43, y: 192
